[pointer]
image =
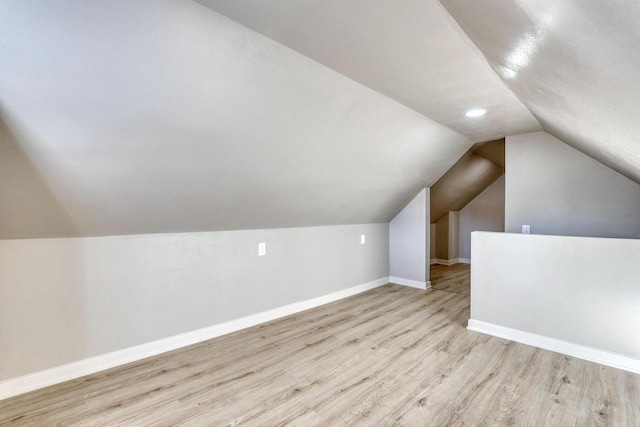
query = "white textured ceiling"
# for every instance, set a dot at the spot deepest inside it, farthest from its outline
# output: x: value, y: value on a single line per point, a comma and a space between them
x: 409, y: 50
x: 146, y: 116
x: 574, y: 63
x: 157, y: 116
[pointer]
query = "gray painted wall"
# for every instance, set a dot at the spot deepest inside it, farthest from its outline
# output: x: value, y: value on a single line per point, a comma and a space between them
x: 442, y: 238
x: 447, y: 231
x: 580, y: 290
x: 64, y: 300
x: 432, y: 241
x: 484, y: 213
x: 558, y: 190
x: 408, y: 240
x: 454, y: 234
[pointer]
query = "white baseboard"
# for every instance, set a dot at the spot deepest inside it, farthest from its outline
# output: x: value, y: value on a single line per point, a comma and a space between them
x: 95, y: 364
x: 450, y: 261
x: 559, y: 346
x: 410, y: 283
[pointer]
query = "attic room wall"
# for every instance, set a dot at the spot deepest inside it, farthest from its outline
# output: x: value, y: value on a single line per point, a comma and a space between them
x: 63, y: 300
x: 575, y: 295
x: 409, y: 240
x: 484, y: 213
x: 447, y: 231
x: 442, y: 238
x: 130, y: 118
x: 432, y: 240
x: 558, y: 190
x: 454, y: 233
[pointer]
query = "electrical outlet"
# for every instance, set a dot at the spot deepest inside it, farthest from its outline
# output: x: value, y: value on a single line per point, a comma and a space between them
x: 262, y: 249
x: 526, y: 229
x: 363, y: 239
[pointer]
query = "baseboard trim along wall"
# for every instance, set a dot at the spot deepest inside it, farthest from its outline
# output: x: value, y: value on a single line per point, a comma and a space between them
x: 37, y: 380
x: 559, y: 346
x: 450, y: 261
x: 411, y: 283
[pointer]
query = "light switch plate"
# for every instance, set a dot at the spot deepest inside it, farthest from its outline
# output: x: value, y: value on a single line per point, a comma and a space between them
x: 363, y: 239
x: 262, y: 249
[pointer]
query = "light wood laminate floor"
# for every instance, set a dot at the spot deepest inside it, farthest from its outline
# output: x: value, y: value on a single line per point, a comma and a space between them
x: 393, y: 356
x: 452, y: 278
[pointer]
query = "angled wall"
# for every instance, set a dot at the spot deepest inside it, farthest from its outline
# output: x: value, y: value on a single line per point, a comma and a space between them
x: 409, y: 242
x: 558, y: 190
x: 484, y: 213
x: 467, y: 178
x: 153, y: 117
x: 28, y: 207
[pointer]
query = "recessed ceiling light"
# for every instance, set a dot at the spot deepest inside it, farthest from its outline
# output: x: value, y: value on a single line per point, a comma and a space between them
x: 476, y: 112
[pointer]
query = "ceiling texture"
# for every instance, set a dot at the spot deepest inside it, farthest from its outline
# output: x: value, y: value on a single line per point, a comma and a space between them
x: 145, y: 116
x: 573, y: 63
x: 409, y: 50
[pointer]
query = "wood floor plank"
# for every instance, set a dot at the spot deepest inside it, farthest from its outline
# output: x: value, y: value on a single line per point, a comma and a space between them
x: 393, y: 356
x: 452, y: 278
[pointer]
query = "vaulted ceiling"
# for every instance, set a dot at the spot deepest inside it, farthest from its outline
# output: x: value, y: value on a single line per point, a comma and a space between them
x: 410, y: 50
x: 573, y: 63
x: 141, y: 116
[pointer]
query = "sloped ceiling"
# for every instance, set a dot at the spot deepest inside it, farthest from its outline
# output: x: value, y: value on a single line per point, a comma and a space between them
x: 476, y: 170
x: 410, y: 50
x: 142, y: 116
x: 575, y: 65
